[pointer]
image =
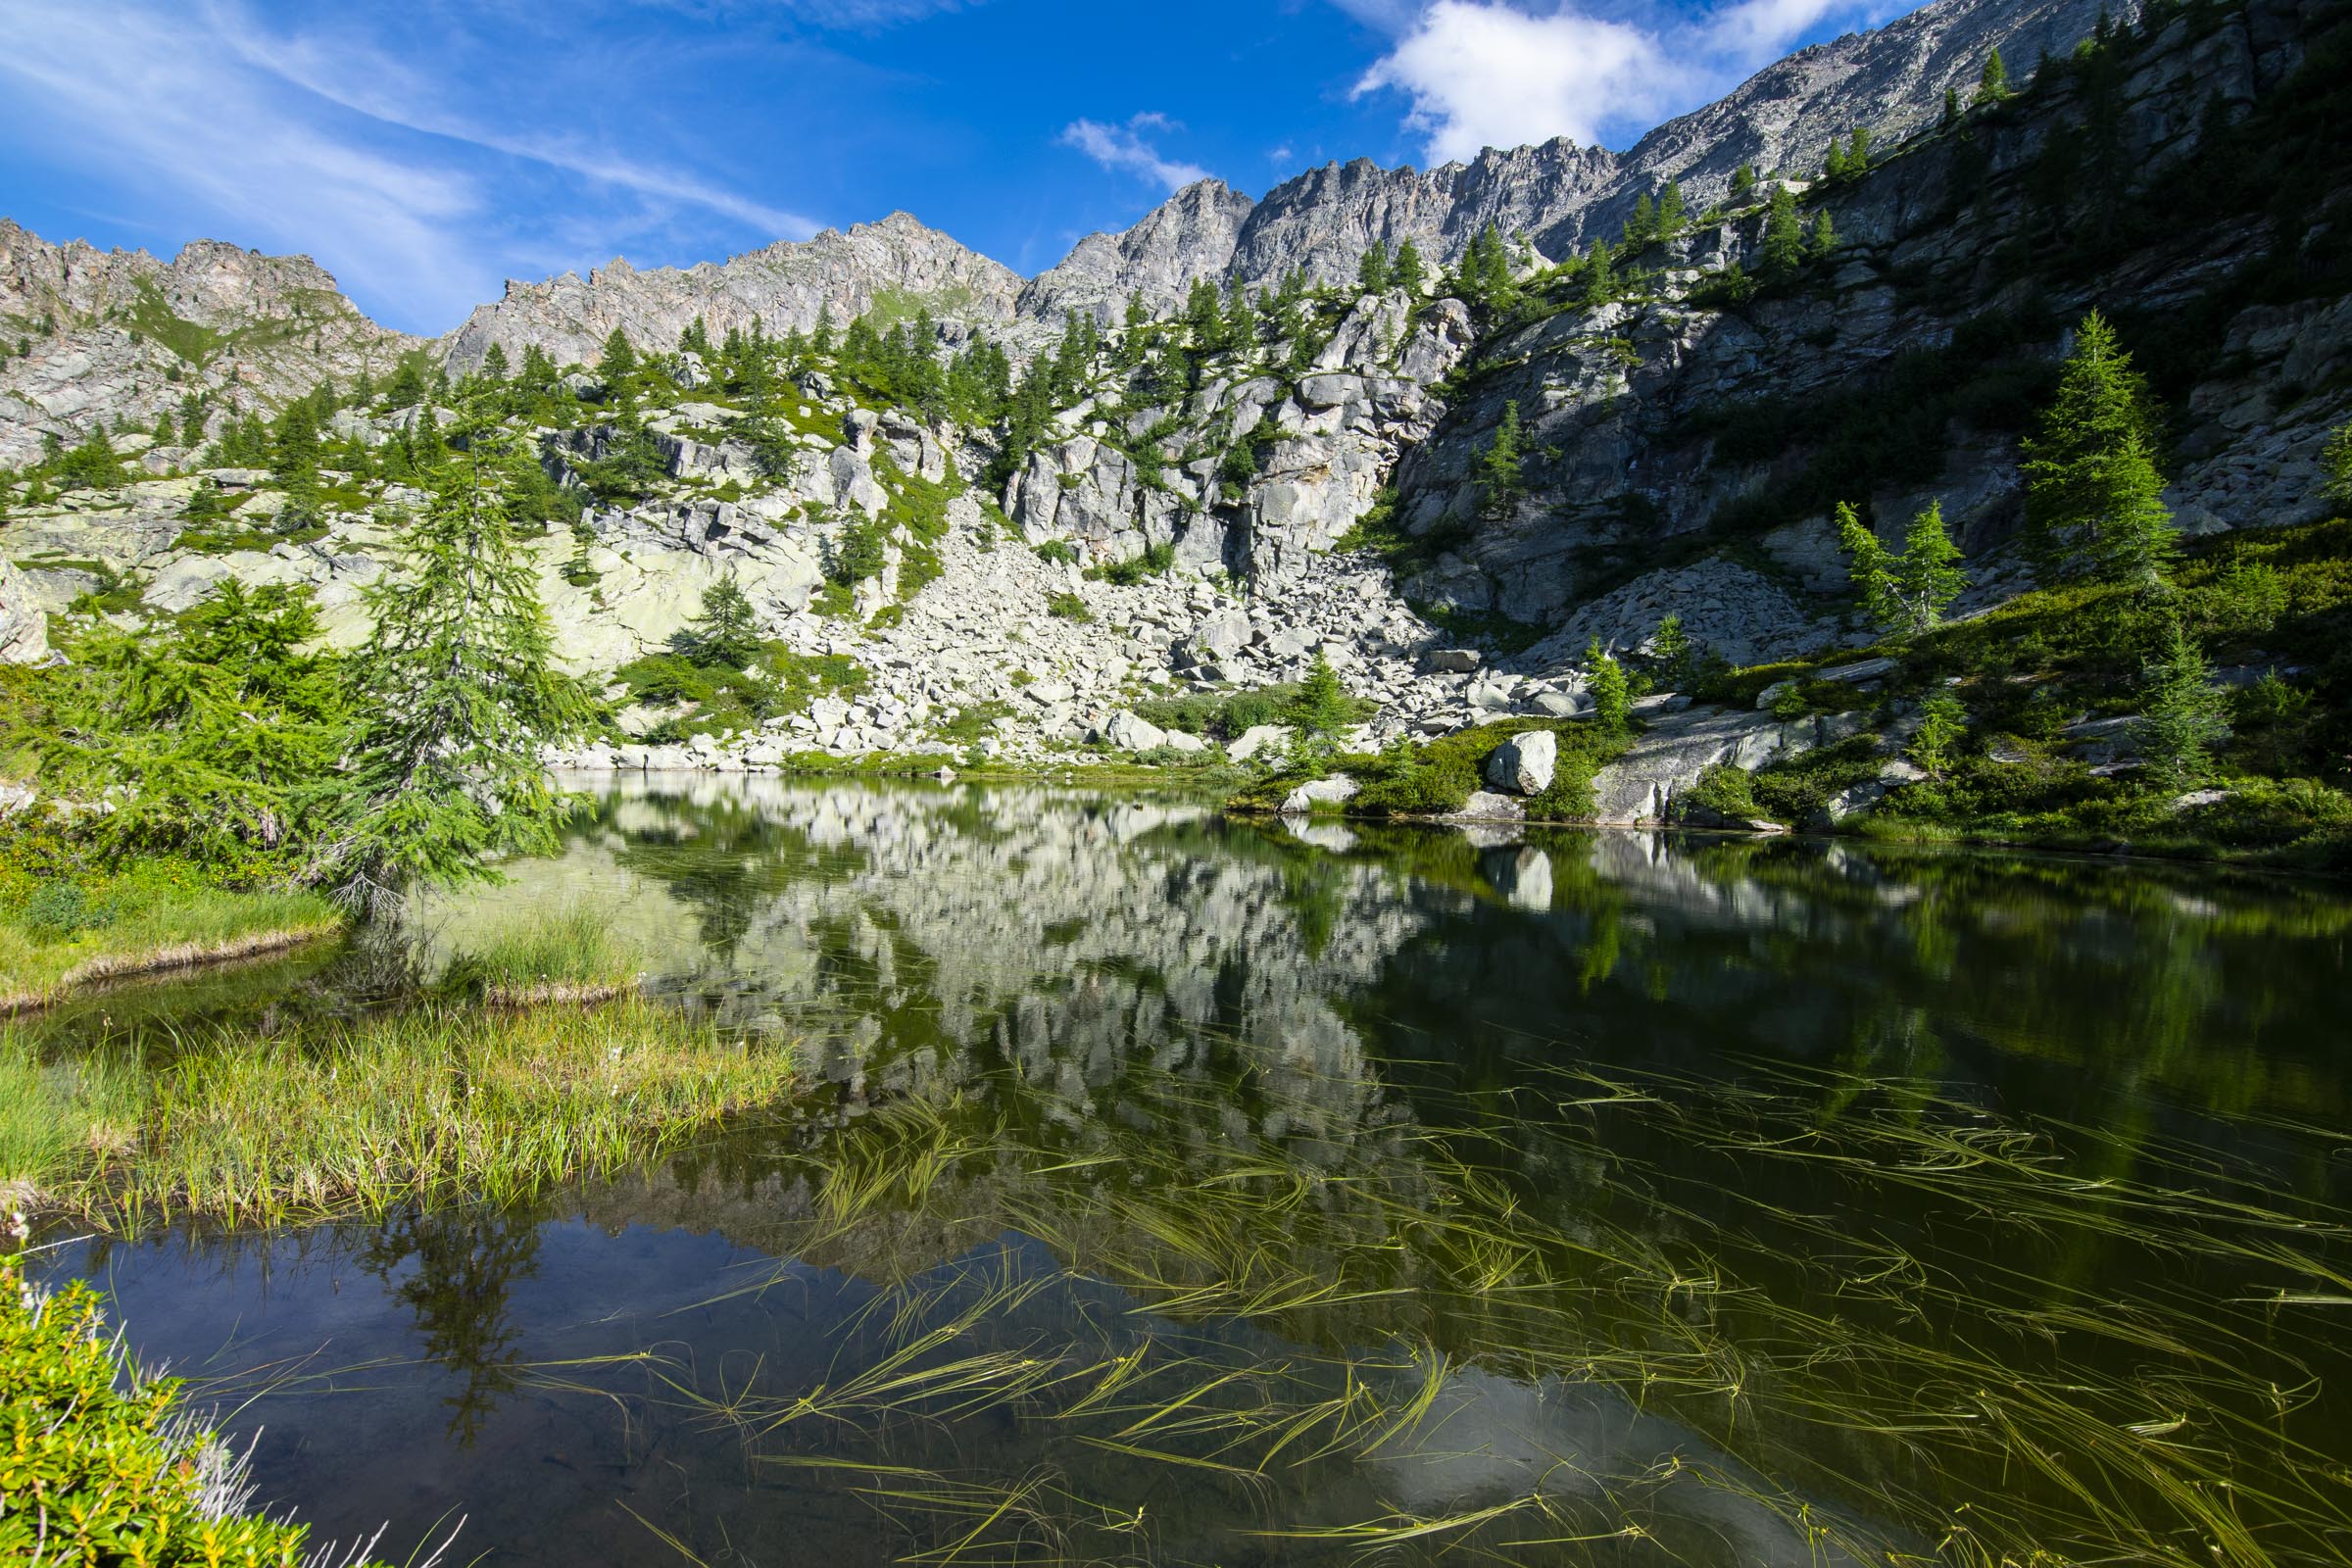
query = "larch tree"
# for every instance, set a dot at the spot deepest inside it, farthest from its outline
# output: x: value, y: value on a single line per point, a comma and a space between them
x: 452, y: 696
x: 2183, y: 716
x: 2093, y: 495
x: 1501, y: 486
x: 1783, y: 235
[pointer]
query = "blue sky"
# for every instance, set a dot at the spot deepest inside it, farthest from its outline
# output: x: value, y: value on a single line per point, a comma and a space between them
x: 426, y: 151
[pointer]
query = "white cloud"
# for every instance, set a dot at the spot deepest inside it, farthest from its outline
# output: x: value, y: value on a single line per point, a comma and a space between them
x: 1485, y: 73
x: 168, y: 115
x: 1122, y: 149
x: 354, y: 77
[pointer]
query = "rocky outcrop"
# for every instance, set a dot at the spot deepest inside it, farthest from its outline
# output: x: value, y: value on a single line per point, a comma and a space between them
x: 23, y: 628
x: 117, y: 337
x: 897, y: 264
x: 1190, y: 237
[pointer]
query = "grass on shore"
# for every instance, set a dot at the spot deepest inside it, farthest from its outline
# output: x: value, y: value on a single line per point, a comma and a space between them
x: 439, y: 1104
x: 1438, y: 777
x: 552, y: 955
x: 58, y: 933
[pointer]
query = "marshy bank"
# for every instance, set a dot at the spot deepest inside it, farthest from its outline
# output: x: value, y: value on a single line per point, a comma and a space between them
x: 1146, y: 1185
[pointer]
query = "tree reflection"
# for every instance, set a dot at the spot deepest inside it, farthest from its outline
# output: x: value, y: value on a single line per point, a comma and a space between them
x: 460, y: 1295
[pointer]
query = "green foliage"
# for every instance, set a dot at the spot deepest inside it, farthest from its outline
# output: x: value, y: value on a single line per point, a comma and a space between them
x: 726, y: 632
x: 1673, y: 657
x: 1062, y: 605
x: 91, y: 465
x: 1721, y: 790
x: 1783, y: 237
x: 1324, y: 709
x: 2093, y: 495
x: 862, y: 551
x: 105, y: 1467
x: 209, y: 735
x: 1496, y: 470
x: 452, y: 696
x: 1059, y: 551
x: 2183, y: 715
x: 1907, y: 594
x: 2336, y: 467
x: 772, y: 684
x: 1992, y: 86
x: 1155, y: 560
x: 1942, y: 726
x: 1605, y: 683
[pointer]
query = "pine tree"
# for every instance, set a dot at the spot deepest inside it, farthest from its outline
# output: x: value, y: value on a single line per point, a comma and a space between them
x: 1605, y: 683
x: 1907, y: 594
x: 1951, y: 107
x: 1824, y: 238
x: 2093, y: 496
x: 726, y: 634
x: 1643, y: 227
x: 164, y: 433
x: 2335, y: 465
x: 1673, y: 213
x: 1942, y: 726
x: 452, y: 693
x: 1500, y: 485
x: 1994, y: 85
x: 1322, y: 710
x: 1743, y: 182
x: 1408, y: 272
x: 1783, y: 237
x: 1373, y: 270
x: 1672, y: 653
x: 2181, y: 713
x: 618, y: 362
x: 1600, y: 275
x: 494, y: 364
x: 1241, y: 320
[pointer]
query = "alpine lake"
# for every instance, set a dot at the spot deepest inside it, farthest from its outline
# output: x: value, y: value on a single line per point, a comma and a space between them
x: 1173, y: 1188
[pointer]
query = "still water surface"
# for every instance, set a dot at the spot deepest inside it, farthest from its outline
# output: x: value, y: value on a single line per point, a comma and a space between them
x: 1178, y: 1190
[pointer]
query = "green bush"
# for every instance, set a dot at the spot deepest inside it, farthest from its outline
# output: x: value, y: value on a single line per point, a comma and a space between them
x: 101, y: 1464
x: 1056, y: 550
x: 1067, y: 606
x: 57, y: 910
x: 1152, y: 562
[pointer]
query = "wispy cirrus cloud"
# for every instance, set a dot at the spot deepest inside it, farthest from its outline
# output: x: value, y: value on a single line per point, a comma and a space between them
x: 1488, y: 73
x: 417, y: 189
x: 1124, y: 148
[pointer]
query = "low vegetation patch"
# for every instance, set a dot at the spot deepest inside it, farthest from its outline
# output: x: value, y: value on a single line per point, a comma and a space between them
x: 63, y: 926
x: 441, y: 1103
x: 1438, y: 778
x: 107, y: 1464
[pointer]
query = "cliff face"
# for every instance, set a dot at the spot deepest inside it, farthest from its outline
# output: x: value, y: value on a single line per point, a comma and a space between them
x: 897, y: 265
x: 1684, y: 434
x: 120, y: 337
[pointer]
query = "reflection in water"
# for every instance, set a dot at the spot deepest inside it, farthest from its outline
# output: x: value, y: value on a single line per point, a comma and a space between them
x: 1187, y: 1191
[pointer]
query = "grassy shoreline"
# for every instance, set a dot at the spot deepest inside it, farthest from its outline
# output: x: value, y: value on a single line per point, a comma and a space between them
x: 441, y: 1102
x: 62, y: 934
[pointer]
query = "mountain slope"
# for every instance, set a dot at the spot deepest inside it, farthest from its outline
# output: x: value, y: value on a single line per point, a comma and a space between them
x: 119, y: 337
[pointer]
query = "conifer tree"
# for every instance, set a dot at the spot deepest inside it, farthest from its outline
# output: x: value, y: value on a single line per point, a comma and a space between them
x: 1942, y: 726
x: 1951, y: 107
x: 1673, y: 212
x: 618, y: 362
x: 1743, y: 182
x: 1600, y: 275
x: 1500, y: 485
x: 1606, y: 684
x: 1241, y: 320
x: 453, y: 694
x: 1643, y: 227
x: 1783, y: 237
x: 2336, y: 467
x: 2093, y: 495
x: 1904, y: 594
x: 1373, y: 270
x: 1672, y: 654
x: 726, y: 634
x: 1994, y: 85
x: 1824, y: 237
x: 2181, y: 713
x: 1322, y: 710
x: 494, y: 364
x: 1408, y: 272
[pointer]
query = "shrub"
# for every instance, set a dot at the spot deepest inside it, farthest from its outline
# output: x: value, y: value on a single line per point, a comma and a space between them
x: 105, y: 1466
x: 1067, y: 606
x: 1059, y: 550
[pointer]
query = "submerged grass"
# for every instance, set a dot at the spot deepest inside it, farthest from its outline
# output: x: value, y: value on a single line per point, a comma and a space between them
x: 1812, y: 1316
x: 441, y: 1103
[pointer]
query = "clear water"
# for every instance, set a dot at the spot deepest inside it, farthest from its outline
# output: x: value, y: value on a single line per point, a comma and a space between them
x: 1177, y: 1190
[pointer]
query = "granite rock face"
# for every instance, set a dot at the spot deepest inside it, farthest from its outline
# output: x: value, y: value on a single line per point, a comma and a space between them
x: 120, y: 336
x: 897, y: 262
